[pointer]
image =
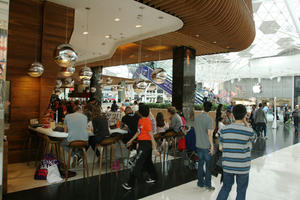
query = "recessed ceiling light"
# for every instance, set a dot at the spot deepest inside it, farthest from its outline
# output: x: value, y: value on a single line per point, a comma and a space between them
x: 108, y: 36
x: 138, y: 26
x: 214, y: 42
x: 160, y: 17
x: 197, y: 35
x: 117, y: 19
x: 85, y: 33
x: 103, y: 43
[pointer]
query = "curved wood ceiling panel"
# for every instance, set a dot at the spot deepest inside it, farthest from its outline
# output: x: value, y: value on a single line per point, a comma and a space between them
x: 210, y: 26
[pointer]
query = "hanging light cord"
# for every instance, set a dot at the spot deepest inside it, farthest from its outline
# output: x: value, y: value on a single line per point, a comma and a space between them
x: 67, y: 23
x: 87, y: 35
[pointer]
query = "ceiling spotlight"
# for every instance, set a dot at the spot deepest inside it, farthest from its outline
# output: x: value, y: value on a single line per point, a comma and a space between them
x: 117, y: 19
x: 197, y: 35
x: 108, y: 36
x: 138, y: 26
x: 214, y: 42
x: 85, y: 33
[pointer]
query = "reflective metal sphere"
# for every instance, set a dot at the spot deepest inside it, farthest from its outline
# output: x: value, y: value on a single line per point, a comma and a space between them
x: 159, y: 75
x: 113, y: 88
x: 36, y: 69
x: 65, y: 55
x: 85, y: 82
x: 69, y: 82
x: 141, y: 84
x: 109, y: 80
x: 67, y: 71
x: 57, y: 91
x: 152, y: 87
x: 85, y: 73
x: 93, y: 89
x: 58, y: 83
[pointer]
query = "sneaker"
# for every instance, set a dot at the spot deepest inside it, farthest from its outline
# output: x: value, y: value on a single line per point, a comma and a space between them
x: 75, y: 161
x: 210, y: 188
x: 150, y: 180
x: 126, y: 186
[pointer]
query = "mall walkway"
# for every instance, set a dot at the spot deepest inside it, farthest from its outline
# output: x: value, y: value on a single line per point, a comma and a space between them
x: 273, y: 176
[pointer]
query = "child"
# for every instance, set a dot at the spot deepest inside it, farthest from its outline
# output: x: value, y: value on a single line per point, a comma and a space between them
x: 144, y: 153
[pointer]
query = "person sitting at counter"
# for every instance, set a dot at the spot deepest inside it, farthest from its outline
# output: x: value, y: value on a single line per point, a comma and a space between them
x: 129, y: 122
x: 76, y: 127
x: 176, y: 122
x: 100, y: 128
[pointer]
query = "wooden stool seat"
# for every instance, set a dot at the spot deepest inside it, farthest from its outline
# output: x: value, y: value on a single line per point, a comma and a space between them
x: 78, y: 144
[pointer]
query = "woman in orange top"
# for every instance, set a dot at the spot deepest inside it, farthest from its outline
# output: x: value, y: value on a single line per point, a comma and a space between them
x: 144, y: 155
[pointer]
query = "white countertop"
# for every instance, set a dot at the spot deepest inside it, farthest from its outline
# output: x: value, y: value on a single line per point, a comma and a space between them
x: 49, y: 132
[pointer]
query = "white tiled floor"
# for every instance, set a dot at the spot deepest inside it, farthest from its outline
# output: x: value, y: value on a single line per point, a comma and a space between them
x: 272, y: 177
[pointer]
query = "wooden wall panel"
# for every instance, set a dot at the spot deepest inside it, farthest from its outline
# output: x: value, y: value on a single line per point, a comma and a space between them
x: 29, y: 22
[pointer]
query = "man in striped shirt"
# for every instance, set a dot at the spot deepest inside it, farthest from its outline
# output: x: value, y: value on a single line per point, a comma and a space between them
x: 235, y: 142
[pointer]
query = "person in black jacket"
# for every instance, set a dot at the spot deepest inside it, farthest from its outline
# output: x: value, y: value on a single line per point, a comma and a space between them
x: 114, y: 106
x: 100, y: 128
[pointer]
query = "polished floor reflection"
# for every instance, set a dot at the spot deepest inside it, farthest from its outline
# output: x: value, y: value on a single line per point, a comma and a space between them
x: 271, y: 174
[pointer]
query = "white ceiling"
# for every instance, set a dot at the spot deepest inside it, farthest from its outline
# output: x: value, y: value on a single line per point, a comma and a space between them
x: 94, y: 46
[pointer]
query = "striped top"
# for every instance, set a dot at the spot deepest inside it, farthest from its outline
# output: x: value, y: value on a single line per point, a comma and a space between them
x: 236, y: 157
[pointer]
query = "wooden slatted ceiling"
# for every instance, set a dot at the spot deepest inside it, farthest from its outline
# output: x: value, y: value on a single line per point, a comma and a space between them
x: 220, y: 25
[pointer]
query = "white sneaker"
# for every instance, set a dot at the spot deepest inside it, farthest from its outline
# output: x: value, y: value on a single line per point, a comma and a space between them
x: 150, y: 180
x: 132, y: 153
x: 126, y: 186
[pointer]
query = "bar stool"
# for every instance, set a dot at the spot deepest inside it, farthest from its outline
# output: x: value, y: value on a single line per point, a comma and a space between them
x: 104, y: 147
x: 27, y: 144
x: 78, y: 144
x: 157, y: 138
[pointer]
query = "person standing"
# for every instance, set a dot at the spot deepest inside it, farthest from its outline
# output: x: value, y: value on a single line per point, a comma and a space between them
x: 204, y: 142
x: 235, y: 142
x: 261, y: 121
x: 252, y: 117
x: 114, y: 106
x: 296, y: 117
x: 146, y: 143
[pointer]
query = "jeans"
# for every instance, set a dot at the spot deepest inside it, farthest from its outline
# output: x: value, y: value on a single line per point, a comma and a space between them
x: 204, y: 156
x: 228, y: 180
x: 261, y: 127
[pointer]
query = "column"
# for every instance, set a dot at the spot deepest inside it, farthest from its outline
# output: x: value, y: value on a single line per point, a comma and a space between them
x: 183, y: 91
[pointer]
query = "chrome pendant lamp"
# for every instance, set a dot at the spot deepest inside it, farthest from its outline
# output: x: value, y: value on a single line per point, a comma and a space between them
x: 69, y: 82
x: 159, y: 75
x: 67, y: 71
x: 58, y: 83
x: 36, y: 69
x: 86, y: 73
x: 65, y: 55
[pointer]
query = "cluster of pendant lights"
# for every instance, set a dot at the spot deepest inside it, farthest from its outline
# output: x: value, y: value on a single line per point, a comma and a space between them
x: 65, y: 57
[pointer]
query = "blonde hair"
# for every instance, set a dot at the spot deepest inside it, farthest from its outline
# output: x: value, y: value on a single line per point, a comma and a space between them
x: 172, y: 110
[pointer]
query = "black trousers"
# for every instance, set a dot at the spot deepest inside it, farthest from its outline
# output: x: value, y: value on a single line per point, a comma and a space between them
x: 143, y: 162
x: 93, y: 140
x: 261, y: 128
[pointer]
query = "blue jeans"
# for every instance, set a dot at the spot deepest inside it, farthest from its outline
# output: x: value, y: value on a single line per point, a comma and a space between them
x: 228, y: 180
x: 204, y: 156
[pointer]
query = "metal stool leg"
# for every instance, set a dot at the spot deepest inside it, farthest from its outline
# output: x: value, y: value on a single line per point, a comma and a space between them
x: 96, y: 148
